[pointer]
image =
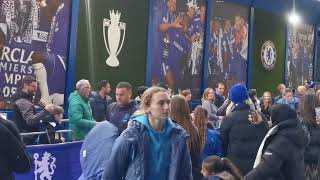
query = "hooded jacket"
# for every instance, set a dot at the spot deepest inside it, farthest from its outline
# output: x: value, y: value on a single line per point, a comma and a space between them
x: 283, y: 150
x: 80, y: 116
x: 96, y: 149
x: 129, y: 153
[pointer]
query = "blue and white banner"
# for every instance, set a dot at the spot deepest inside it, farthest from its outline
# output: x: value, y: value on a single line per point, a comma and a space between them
x: 33, y: 41
x: 54, y: 161
x: 300, y: 54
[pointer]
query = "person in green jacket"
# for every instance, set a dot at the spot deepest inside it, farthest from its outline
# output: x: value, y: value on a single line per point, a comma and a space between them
x: 80, y: 114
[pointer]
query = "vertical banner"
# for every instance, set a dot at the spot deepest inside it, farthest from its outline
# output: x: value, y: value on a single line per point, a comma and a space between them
x: 112, y: 41
x: 228, y: 46
x: 33, y: 41
x: 177, y: 46
x: 300, y: 54
x: 317, y: 77
x: 268, y: 51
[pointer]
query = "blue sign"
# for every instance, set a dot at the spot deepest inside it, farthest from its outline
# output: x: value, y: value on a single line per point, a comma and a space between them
x: 54, y: 161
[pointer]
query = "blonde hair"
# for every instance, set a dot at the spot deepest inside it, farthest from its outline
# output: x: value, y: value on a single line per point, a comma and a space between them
x: 206, y: 93
x: 147, y: 97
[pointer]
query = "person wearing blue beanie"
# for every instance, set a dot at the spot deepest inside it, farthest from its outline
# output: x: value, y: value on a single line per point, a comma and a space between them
x: 240, y: 135
x: 238, y: 93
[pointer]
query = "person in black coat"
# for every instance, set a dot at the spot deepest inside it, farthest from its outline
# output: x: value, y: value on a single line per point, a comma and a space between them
x: 310, y: 104
x: 241, y: 137
x: 13, y: 155
x: 280, y: 156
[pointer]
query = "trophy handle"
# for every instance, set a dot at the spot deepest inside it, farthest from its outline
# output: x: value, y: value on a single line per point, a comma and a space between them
x: 124, y: 35
x: 104, y: 36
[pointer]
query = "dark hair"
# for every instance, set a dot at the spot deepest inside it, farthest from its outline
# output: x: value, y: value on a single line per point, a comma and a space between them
x: 28, y: 80
x: 102, y: 83
x: 164, y: 86
x: 215, y: 164
x: 180, y: 113
x: 141, y: 90
x: 287, y: 90
x: 252, y: 93
x: 185, y: 92
x: 200, y: 121
x: 220, y: 83
x: 124, y: 85
x: 308, y: 105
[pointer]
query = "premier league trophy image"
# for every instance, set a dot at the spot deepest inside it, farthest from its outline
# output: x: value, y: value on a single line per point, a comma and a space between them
x: 114, y: 35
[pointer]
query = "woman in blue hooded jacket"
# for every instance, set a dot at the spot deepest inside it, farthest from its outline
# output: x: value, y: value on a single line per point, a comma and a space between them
x: 153, y: 147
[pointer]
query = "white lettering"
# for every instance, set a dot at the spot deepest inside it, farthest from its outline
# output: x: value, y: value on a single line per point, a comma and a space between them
x: 13, y: 53
x: 5, y: 53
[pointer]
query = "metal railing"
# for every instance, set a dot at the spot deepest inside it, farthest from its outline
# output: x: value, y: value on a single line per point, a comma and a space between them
x: 46, y: 133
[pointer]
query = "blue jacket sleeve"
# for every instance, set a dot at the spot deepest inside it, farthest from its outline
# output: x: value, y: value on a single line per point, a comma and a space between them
x: 119, y: 160
x: 185, y: 170
x: 218, y: 146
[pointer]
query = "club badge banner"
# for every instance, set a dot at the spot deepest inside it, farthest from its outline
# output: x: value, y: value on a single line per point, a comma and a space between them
x: 54, y: 161
x: 268, y: 66
x: 228, y: 46
x: 177, y: 47
x: 300, y: 54
x: 33, y: 41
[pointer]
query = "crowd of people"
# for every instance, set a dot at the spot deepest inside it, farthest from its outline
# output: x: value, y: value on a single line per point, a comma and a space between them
x: 160, y: 136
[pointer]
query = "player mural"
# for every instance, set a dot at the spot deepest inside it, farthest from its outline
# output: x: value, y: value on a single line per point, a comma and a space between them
x: 178, y: 40
x: 300, y: 54
x: 228, y: 46
x: 33, y: 41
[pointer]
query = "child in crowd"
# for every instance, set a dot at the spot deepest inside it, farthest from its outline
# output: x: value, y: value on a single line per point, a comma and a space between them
x: 216, y: 168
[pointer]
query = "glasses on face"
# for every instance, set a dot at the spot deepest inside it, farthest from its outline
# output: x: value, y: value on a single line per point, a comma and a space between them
x: 34, y: 86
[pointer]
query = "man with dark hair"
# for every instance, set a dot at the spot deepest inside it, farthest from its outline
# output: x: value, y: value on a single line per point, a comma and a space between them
x: 119, y: 112
x: 220, y: 88
x: 99, y: 100
x: 26, y: 117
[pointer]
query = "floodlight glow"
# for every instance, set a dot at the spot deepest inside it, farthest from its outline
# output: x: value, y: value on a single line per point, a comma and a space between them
x: 294, y: 18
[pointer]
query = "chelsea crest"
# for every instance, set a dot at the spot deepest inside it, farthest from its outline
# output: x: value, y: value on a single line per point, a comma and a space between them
x: 268, y: 55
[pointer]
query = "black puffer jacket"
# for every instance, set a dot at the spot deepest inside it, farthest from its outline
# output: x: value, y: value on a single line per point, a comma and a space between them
x: 283, y: 151
x: 312, y: 152
x: 240, y: 138
x: 13, y: 156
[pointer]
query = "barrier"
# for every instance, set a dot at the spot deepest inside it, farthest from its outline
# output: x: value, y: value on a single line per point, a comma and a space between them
x: 44, y: 132
x: 54, y: 161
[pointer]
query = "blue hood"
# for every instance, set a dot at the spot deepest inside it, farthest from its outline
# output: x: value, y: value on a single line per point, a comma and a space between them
x: 143, y: 119
x: 96, y: 149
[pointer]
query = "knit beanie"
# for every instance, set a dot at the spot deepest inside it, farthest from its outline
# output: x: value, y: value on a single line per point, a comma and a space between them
x: 238, y: 93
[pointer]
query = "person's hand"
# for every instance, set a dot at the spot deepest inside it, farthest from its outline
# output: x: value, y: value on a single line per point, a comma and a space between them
x: 58, y: 110
x: 49, y: 108
x: 41, y: 3
x: 58, y: 117
x: 193, y: 38
x: 177, y: 23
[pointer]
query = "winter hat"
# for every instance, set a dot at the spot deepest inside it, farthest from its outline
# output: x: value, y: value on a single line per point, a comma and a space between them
x: 282, y: 112
x: 238, y: 93
x: 311, y: 84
